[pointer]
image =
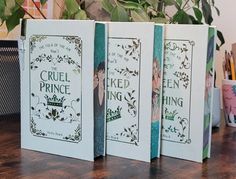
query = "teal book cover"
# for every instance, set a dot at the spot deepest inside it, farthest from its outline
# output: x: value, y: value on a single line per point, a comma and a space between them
x: 99, y: 88
x: 157, y: 73
x: 209, y: 91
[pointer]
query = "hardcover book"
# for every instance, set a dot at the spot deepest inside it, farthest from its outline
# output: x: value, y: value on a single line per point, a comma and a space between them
x: 129, y: 90
x: 57, y: 87
x: 187, y: 91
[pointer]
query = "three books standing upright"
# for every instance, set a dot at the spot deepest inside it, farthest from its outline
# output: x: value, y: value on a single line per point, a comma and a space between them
x: 97, y: 88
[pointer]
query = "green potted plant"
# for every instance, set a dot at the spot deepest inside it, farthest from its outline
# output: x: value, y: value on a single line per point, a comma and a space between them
x: 11, y: 11
x: 184, y: 11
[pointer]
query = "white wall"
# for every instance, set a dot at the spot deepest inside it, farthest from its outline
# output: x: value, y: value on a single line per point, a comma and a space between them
x: 226, y: 23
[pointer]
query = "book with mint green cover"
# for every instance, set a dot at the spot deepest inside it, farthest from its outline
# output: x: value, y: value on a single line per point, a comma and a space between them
x: 132, y: 105
x: 58, y: 87
x: 187, y: 91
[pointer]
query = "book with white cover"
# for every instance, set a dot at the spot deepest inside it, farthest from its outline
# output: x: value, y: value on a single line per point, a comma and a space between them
x: 187, y: 91
x: 57, y: 85
x: 129, y: 90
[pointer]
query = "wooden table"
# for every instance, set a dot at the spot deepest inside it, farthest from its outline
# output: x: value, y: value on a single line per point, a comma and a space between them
x: 19, y: 163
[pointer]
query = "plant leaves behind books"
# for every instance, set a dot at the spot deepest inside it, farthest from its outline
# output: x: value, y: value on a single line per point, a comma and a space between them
x: 80, y: 15
x: 43, y: 1
x: 221, y: 38
x: 206, y: 9
x: 153, y: 3
x: 179, y: 2
x: 72, y: 6
x: 160, y: 20
x: 130, y: 4
x: 14, y: 19
x: 139, y: 15
x: 107, y: 6
x: 20, y: 1
x: 181, y: 17
x: 198, y: 14
x: 119, y: 14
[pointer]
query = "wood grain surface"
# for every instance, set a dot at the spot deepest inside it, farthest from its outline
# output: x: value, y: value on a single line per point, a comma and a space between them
x: 20, y: 163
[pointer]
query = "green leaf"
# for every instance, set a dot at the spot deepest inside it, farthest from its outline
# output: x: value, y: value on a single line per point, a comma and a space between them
x: 20, y: 1
x: 217, y: 11
x: 206, y: 9
x: 2, y: 8
x: 179, y: 2
x: 130, y: 5
x: 153, y: 3
x: 221, y: 38
x: 65, y: 14
x: 81, y: 15
x: 119, y: 14
x: 194, y: 20
x: 10, y: 4
x: 43, y: 1
x: 161, y: 20
x: 14, y: 19
x: 138, y: 1
x: 213, y: 2
x: 107, y: 6
x: 171, y: 3
x: 139, y: 15
x: 197, y: 2
x: 72, y: 6
x: 182, y: 17
x: 198, y: 14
